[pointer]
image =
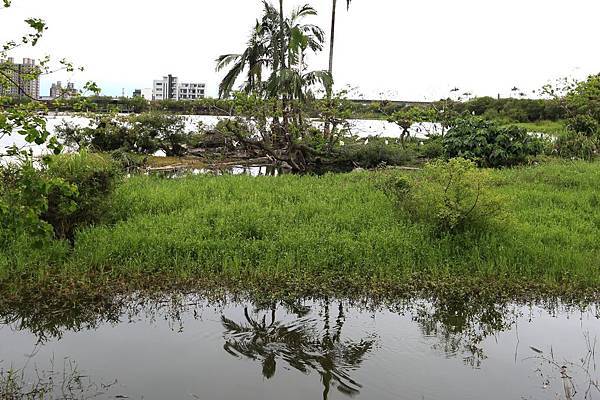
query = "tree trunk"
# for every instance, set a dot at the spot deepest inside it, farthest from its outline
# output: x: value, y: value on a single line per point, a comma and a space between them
x: 282, y: 66
x: 281, y: 37
x: 327, y: 128
x: 332, y: 40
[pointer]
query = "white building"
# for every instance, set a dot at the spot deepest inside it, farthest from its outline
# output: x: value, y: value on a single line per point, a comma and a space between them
x: 147, y: 93
x: 169, y: 87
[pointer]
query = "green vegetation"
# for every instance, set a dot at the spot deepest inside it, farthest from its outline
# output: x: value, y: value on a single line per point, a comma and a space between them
x: 335, y: 228
x: 93, y: 178
x: 67, y: 223
x: 551, y: 128
x: 144, y: 133
x: 489, y: 144
x: 450, y: 197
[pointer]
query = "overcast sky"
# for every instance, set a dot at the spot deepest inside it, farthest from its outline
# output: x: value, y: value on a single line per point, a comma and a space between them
x: 405, y: 49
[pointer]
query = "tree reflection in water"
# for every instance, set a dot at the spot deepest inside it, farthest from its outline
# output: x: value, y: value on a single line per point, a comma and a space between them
x: 460, y: 327
x: 299, y: 343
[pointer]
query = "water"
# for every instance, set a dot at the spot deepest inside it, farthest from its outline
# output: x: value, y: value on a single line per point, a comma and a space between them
x: 358, y: 127
x: 192, y: 348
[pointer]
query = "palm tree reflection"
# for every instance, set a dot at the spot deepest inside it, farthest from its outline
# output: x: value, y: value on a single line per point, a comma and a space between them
x: 298, y: 342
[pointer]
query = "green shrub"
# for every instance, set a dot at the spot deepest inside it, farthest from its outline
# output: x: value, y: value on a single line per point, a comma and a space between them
x: 377, y: 152
x: 584, y: 98
x: 105, y: 133
x: 584, y: 124
x: 432, y: 148
x: 129, y: 162
x: 489, y: 144
x: 143, y: 133
x: 450, y: 196
x: 24, y: 192
x: 155, y: 131
x: 581, y: 140
x: 109, y: 134
x: 577, y: 145
x: 94, y: 176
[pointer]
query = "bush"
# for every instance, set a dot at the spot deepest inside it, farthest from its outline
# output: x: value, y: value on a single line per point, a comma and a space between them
x: 94, y: 177
x: 23, y: 198
x: 584, y: 98
x: 129, y: 162
x: 582, y: 139
x: 144, y: 133
x: 577, y: 145
x: 376, y: 152
x: 155, y: 131
x: 432, y: 148
x: 489, y: 144
x: 585, y: 125
x: 450, y: 196
x: 109, y: 134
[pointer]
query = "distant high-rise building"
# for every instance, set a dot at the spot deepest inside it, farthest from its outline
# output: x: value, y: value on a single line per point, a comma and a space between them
x: 57, y: 90
x: 137, y: 93
x: 23, y: 80
x: 147, y: 93
x: 169, y: 88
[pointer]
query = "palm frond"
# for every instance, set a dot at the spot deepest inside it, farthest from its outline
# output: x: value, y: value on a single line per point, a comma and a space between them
x: 226, y: 85
x: 226, y: 59
x: 303, y: 11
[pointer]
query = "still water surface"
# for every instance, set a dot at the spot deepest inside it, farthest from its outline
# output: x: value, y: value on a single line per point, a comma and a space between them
x: 192, y: 348
x: 359, y: 127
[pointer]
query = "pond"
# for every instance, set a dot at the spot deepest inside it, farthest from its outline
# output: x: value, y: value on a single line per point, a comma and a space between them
x: 358, y: 127
x: 189, y: 347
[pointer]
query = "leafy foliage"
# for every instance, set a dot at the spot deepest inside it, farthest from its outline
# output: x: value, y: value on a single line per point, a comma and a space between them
x: 24, y: 193
x: 143, y: 133
x: 408, y: 116
x: 378, y: 152
x: 450, y: 196
x: 93, y: 178
x: 584, y: 124
x: 489, y: 144
x: 584, y: 98
x: 578, y: 145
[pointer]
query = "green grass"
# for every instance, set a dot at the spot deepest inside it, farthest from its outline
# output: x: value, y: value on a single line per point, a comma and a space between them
x: 336, y: 228
x: 552, y: 128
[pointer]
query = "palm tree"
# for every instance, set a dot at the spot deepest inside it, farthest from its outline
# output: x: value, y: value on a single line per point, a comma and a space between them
x: 332, y: 40
x: 279, y: 45
x: 276, y: 49
x: 327, y: 127
x: 261, y: 53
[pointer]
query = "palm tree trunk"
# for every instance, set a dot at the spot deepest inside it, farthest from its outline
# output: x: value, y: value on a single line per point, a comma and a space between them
x: 332, y: 41
x: 327, y: 128
x: 281, y: 37
x: 284, y: 102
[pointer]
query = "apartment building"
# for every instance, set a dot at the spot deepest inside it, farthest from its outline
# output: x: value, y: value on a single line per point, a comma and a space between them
x: 170, y: 88
x: 58, y: 90
x: 23, y: 80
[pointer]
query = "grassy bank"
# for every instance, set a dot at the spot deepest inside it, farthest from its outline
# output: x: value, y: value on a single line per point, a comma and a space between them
x: 552, y: 128
x: 330, y: 232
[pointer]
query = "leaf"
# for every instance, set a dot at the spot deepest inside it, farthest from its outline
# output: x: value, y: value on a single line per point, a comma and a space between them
x: 536, y: 350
